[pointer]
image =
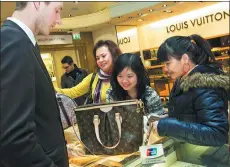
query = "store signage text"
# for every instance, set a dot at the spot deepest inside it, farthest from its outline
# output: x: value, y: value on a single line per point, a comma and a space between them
x: 124, y: 40
x: 54, y: 39
x: 198, y: 21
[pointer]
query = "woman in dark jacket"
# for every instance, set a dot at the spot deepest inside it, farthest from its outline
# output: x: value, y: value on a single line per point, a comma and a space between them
x: 198, y: 102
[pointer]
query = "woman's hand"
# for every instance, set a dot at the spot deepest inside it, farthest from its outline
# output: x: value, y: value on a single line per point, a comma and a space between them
x: 155, y: 123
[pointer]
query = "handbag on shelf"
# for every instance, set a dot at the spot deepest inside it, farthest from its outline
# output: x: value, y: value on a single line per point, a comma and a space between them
x: 89, y: 99
x: 111, y: 128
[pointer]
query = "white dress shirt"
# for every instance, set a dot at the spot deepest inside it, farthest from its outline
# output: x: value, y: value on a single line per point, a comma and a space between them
x: 25, y: 28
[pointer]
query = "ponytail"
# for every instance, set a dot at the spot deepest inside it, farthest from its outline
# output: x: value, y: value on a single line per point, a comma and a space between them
x: 204, y: 54
x: 196, y: 47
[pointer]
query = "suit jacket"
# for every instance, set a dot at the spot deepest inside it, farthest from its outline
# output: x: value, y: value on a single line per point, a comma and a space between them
x: 31, y: 130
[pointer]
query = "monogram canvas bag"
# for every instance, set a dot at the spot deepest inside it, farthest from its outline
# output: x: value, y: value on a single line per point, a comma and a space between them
x: 114, y: 128
x: 66, y: 106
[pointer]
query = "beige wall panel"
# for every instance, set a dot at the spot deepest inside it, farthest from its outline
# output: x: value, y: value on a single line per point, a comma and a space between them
x: 105, y: 33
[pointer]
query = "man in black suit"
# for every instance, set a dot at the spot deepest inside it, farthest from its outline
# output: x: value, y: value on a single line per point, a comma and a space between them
x: 31, y: 133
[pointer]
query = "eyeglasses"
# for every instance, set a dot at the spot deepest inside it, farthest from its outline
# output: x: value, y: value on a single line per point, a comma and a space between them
x: 65, y: 67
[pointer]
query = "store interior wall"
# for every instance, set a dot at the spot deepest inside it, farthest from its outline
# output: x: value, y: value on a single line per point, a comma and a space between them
x: 81, y: 51
x: 105, y: 33
x: 86, y: 52
x: 128, y: 38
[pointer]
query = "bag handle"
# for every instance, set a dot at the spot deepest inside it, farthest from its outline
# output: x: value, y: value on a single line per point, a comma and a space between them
x: 96, y: 122
x: 90, y: 88
x: 91, y: 82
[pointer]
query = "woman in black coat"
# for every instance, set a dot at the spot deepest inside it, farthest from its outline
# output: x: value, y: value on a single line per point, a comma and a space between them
x: 198, y: 102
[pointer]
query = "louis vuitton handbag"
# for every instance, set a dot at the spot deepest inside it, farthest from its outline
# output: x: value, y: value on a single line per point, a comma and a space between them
x: 111, y: 128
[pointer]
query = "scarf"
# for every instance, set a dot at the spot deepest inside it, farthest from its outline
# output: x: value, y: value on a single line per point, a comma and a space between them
x: 102, y: 77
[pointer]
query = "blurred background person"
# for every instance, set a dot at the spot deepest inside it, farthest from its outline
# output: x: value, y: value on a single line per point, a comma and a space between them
x: 72, y: 76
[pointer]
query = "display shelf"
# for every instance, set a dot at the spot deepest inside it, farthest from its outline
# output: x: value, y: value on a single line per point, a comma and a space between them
x: 157, y: 76
x: 156, y: 66
x: 220, y: 48
x: 151, y: 59
x: 224, y: 57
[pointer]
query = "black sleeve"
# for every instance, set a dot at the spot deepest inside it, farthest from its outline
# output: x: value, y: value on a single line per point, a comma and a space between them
x: 19, y: 145
x: 85, y: 73
x: 63, y: 84
x: 213, y: 129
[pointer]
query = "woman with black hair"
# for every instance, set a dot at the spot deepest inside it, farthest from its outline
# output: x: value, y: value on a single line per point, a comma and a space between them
x: 198, y: 101
x: 129, y: 80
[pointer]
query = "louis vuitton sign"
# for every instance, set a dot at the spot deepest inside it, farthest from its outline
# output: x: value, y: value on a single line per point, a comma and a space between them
x: 54, y: 39
x: 210, y: 18
x: 128, y: 40
x: 124, y: 40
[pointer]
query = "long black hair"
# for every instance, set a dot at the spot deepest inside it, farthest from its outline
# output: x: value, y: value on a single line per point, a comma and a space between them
x: 196, y: 47
x: 133, y: 62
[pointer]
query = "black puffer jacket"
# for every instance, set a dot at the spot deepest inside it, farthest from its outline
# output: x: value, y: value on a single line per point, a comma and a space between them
x: 198, y: 108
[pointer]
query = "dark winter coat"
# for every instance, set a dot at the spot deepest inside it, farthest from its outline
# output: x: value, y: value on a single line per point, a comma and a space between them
x: 198, y: 108
x: 68, y: 82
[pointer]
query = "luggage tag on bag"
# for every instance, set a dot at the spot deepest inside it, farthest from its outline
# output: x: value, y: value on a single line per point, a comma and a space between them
x: 153, y: 154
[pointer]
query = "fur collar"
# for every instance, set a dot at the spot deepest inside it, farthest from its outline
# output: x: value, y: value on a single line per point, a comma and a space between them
x: 205, y: 80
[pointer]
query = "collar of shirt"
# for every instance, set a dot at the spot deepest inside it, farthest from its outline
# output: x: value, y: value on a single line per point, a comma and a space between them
x: 27, y: 30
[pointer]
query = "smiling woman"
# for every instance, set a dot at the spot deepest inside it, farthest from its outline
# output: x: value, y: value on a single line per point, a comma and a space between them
x: 130, y: 81
x: 105, y: 53
x: 198, y: 100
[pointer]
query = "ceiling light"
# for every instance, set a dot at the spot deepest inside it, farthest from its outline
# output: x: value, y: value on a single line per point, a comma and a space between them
x: 144, y: 15
x: 140, y: 20
x: 151, y: 10
x: 164, y: 5
x: 168, y: 11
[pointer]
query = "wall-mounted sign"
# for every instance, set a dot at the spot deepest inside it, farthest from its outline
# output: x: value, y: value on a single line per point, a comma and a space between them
x: 214, y: 17
x: 128, y: 40
x: 54, y: 39
x: 124, y: 40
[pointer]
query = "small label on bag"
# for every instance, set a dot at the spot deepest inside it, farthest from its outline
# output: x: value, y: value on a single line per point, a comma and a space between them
x: 153, y: 154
